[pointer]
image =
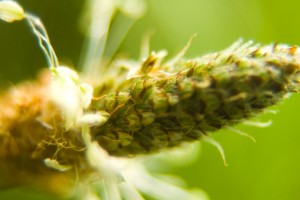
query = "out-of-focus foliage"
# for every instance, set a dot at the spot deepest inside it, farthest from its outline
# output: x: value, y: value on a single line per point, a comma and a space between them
x: 267, y: 169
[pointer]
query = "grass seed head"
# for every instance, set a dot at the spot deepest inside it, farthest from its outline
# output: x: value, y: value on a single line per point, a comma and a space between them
x: 195, y: 97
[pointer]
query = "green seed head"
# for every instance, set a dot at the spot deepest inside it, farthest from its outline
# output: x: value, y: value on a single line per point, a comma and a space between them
x: 164, y: 106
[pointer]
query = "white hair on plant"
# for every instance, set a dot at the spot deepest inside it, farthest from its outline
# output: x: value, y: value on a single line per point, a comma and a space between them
x: 258, y: 123
x: 241, y: 133
x: 216, y: 144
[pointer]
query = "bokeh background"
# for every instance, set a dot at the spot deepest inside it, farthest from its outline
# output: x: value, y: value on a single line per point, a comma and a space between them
x: 267, y: 169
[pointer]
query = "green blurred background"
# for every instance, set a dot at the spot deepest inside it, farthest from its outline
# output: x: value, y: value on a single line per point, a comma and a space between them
x: 267, y: 169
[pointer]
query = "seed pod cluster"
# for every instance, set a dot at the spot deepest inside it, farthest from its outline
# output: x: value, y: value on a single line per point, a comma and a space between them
x: 170, y: 105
